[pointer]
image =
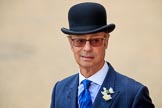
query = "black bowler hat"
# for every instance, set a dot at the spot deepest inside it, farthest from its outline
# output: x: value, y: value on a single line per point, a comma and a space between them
x: 86, y: 18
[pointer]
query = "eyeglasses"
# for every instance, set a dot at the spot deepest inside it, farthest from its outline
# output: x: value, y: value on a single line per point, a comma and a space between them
x: 95, y: 42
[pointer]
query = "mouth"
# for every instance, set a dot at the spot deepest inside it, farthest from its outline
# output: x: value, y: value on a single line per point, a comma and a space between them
x: 87, y: 58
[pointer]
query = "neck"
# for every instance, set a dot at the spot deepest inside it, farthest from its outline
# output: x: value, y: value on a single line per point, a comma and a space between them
x: 89, y: 71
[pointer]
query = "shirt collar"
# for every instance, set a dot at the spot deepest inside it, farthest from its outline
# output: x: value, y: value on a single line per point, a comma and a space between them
x: 98, y: 77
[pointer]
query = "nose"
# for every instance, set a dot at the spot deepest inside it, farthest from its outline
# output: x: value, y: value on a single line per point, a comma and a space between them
x: 87, y: 46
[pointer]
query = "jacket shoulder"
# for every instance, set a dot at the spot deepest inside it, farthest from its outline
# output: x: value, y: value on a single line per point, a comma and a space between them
x: 68, y: 81
x: 127, y: 81
x: 132, y: 93
x: 61, y: 90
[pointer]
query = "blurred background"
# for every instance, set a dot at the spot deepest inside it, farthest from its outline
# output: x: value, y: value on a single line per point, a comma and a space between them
x: 34, y: 53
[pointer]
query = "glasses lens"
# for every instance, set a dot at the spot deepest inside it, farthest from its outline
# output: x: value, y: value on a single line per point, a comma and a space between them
x: 96, y: 42
x: 79, y: 42
x: 93, y: 42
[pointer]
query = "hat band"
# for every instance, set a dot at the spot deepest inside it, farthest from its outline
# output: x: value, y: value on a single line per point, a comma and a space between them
x: 84, y: 28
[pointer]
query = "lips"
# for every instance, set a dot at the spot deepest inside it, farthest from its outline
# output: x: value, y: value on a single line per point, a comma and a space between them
x: 87, y: 58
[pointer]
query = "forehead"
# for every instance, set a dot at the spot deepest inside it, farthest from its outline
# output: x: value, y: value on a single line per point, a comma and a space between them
x: 99, y: 34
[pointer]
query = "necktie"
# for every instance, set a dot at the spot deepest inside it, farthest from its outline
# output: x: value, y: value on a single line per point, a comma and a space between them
x: 85, y: 97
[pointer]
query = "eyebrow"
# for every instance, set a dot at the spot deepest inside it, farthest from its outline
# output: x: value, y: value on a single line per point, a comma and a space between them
x: 84, y: 36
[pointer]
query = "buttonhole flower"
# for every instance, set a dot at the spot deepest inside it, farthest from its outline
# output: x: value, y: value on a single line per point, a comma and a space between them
x: 107, y: 93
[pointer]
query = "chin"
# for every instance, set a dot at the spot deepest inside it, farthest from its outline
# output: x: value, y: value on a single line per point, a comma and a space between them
x: 86, y: 64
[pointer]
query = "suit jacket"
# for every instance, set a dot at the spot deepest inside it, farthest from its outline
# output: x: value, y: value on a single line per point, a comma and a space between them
x: 128, y: 93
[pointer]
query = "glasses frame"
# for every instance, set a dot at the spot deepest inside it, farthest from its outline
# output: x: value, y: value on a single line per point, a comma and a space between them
x: 89, y: 40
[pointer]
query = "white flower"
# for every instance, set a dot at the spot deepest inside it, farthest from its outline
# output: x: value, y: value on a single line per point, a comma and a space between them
x: 107, y: 97
x: 107, y: 93
x: 111, y: 90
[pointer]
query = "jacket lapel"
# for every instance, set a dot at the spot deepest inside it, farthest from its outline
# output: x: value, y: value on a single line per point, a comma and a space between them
x: 108, y: 82
x: 72, y: 93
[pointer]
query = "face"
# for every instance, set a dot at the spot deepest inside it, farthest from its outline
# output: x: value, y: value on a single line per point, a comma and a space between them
x: 92, y: 53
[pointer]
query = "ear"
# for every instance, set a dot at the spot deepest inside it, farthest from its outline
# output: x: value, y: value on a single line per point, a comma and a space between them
x: 107, y: 35
x: 70, y: 41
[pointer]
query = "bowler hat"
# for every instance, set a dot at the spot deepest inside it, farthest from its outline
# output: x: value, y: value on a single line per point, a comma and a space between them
x: 86, y: 18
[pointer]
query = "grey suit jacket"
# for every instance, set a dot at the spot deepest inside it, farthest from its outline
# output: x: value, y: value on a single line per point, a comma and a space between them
x: 128, y: 93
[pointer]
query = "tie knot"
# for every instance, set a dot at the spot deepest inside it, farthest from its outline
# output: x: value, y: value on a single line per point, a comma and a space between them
x: 86, y: 83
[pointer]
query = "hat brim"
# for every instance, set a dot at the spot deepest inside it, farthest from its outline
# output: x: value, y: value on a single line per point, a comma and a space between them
x: 107, y: 28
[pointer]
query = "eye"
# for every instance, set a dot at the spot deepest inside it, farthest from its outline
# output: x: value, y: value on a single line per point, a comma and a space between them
x: 95, y: 40
x: 80, y: 40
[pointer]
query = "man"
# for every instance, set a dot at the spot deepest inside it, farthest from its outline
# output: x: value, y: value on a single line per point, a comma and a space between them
x: 97, y: 84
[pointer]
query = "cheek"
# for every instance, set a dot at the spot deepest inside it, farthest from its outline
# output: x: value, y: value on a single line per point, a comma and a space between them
x: 76, y: 55
x: 101, y: 53
x: 76, y: 52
